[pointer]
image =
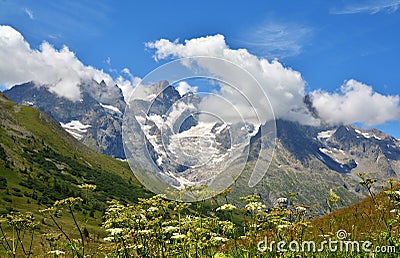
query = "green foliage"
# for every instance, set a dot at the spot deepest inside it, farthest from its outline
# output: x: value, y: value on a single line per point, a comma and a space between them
x: 156, y: 227
x: 21, y: 225
x: 3, y: 183
x: 42, y: 167
x: 40, y: 164
x: 3, y: 155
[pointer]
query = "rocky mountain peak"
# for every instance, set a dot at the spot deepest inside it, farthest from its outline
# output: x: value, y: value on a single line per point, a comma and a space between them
x: 95, y: 119
x: 331, y: 154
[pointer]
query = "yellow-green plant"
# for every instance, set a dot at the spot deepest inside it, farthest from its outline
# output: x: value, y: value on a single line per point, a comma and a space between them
x: 21, y: 224
x: 77, y: 246
x: 157, y: 227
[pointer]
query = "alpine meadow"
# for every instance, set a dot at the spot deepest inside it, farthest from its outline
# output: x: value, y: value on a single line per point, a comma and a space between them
x: 199, y: 129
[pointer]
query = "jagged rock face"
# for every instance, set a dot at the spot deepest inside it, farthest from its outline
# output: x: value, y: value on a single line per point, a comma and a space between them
x: 95, y: 119
x: 164, y: 100
x: 338, y: 147
x: 303, y: 142
x: 372, y: 149
x: 311, y: 160
x: 183, y: 145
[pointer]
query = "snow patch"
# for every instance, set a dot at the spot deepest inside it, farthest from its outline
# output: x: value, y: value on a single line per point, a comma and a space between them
x: 75, y: 134
x: 112, y: 108
x: 29, y: 103
x: 158, y: 120
x: 325, y: 134
x: 376, y: 137
x: 141, y: 120
x: 76, y: 126
x: 177, y: 110
x: 151, y: 97
x: 159, y: 160
x: 367, y: 135
x: 197, y: 142
x: 326, y: 151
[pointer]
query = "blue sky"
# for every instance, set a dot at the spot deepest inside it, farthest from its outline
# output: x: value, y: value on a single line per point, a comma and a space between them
x: 328, y: 42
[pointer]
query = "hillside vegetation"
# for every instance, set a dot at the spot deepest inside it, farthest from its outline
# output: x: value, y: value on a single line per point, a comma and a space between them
x: 40, y: 163
x: 60, y: 199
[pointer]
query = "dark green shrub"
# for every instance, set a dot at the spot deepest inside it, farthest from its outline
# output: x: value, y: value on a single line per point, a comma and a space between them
x: 7, y: 199
x: 3, y: 183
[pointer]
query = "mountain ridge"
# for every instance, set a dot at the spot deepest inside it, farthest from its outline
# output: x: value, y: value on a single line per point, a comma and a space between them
x: 44, y: 163
x: 99, y: 112
x: 334, y: 154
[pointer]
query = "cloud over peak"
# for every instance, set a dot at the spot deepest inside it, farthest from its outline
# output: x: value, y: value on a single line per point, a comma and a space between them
x: 285, y: 87
x: 203, y: 46
x: 60, y: 70
x: 356, y: 102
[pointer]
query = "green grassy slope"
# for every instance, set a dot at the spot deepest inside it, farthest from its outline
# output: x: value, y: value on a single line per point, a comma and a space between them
x: 41, y: 163
x: 367, y: 218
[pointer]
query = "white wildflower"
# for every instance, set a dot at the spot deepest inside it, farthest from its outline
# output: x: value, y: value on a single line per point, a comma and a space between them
x: 114, y: 231
x: 142, y: 219
x: 222, y: 239
x: 152, y: 209
x: 145, y: 231
x: 300, y: 209
x: 177, y: 236
x: 227, y: 207
x: 56, y: 252
x: 281, y: 200
x: 282, y: 226
x: 253, y: 206
x: 108, y: 239
x: 170, y: 229
x: 87, y: 186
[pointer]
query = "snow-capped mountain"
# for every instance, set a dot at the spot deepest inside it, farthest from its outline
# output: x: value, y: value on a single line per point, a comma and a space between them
x: 167, y: 130
x: 311, y: 160
x: 183, y: 147
x: 95, y: 119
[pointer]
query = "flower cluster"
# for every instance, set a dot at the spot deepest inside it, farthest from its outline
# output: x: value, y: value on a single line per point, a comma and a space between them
x: 158, y: 227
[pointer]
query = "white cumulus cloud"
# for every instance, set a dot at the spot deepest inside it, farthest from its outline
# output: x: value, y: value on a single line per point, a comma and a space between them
x: 184, y: 87
x: 356, y: 102
x: 60, y: 70
x: 283, y: 86
x: 126, y: 82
